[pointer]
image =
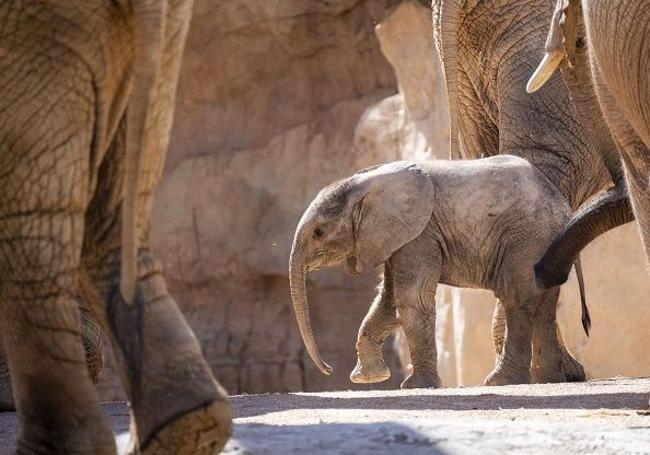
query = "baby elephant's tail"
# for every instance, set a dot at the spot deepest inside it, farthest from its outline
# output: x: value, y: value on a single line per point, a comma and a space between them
x: 586, y: 319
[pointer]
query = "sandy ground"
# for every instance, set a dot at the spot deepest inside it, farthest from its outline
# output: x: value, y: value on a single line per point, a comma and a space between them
x: 598, y: 417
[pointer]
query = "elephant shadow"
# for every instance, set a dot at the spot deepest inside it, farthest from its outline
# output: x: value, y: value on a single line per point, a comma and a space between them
x: 546, y: 396
x: 343, y: 438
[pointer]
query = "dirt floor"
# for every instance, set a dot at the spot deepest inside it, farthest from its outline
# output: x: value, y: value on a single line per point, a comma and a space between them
x: 598, y: 417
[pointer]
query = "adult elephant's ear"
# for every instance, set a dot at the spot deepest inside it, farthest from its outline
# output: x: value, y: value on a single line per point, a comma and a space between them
x: 394, y: 207
x: 148, y: 34
x: 560, y: 43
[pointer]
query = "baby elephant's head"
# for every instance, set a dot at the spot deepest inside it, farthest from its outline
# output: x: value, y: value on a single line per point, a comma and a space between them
x: 361, y: 220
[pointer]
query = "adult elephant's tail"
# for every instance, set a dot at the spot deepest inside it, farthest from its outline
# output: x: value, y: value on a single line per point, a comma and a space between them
x: 607, y: 211
x: 586, y: 318
x: 148, y: 35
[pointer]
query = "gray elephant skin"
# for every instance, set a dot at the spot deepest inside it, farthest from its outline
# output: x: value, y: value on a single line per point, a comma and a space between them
x: 602, y: 47
x: 465, y: 224
x: 489, y: 49
x: 86, y: 99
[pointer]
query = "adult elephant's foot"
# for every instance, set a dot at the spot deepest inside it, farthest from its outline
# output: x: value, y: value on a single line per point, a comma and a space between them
x: 177, y: 405
x: 502, y: 375
x: 366, y: 373
x: 421, y: 380
x: 191, y: 433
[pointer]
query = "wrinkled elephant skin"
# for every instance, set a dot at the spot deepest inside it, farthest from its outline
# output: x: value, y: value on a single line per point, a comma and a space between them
x: 86, y: 94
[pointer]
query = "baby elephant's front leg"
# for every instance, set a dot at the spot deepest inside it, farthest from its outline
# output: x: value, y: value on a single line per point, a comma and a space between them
x: 380, y: 321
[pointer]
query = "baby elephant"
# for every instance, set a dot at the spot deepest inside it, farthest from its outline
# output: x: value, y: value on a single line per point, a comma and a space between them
x: 481, y: 223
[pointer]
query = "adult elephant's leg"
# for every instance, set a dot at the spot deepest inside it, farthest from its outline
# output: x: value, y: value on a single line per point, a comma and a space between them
x: 45, y: 141
x: 624, y: 96
x: 415, y: 271
x: 380, y: 321
x: 176, y: 403
x: 91, y: 338
x: 39, y: 258
x: 514, y: 363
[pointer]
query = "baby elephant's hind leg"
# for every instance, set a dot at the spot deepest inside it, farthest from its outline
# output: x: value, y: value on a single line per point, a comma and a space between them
x: 551, y: 362
x: 513, y: 362
x: 573, y: 369
x: 380, y: 321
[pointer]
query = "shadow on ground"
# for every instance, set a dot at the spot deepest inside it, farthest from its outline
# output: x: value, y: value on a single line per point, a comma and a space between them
x: 591, y: 417
x: 248, y: 405
x: 333, y: 438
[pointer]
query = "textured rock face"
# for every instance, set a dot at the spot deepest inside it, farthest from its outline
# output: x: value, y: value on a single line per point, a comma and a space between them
x: 270, y: 96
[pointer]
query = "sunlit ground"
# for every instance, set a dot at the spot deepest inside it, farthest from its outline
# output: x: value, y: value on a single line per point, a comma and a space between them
x: 604, y: 417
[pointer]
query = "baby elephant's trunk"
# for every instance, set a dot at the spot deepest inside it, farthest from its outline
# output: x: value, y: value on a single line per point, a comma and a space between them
x: 300, y: 306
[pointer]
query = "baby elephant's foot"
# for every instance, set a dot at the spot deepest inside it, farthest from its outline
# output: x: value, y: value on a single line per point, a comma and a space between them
x: 573, y: 370
x: 566, y: 370
x: 421, y: 380
x: 547, y: 376
x: 369, y: 372
x: 503, y: 376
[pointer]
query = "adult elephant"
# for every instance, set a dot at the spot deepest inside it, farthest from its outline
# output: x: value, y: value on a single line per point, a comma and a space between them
x: 488, y: 50
x: 86, y: 100
x: 603, y: 46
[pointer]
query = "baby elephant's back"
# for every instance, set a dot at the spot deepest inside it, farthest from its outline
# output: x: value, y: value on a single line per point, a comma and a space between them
x: 499, y: 184
x: 503, y: 198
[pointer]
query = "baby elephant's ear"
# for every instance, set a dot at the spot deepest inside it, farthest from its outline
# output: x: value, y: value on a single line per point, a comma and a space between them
x: 395, y: 208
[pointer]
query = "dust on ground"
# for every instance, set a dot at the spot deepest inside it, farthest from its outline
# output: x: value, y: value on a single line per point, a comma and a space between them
x: 607, y: 416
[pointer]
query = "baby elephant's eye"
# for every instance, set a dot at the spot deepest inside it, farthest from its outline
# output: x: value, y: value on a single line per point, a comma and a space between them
x: 318, y: 233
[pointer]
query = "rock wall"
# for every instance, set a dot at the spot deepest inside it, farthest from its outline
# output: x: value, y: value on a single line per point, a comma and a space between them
x: 270, y: 97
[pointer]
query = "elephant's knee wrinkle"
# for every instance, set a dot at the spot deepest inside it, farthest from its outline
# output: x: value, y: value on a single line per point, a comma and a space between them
x: 369, y: 351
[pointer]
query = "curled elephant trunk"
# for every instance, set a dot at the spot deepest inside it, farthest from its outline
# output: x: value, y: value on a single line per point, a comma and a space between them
x: 545, y: 70
x: 297, y: 270
x: 148, y: 33
x: 605, y: 212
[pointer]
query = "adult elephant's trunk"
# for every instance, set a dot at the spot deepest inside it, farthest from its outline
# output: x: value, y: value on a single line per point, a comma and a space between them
x: 605, y: 212
x: 297, y: 269
x: 447, y: 15
x: 148, y: 33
